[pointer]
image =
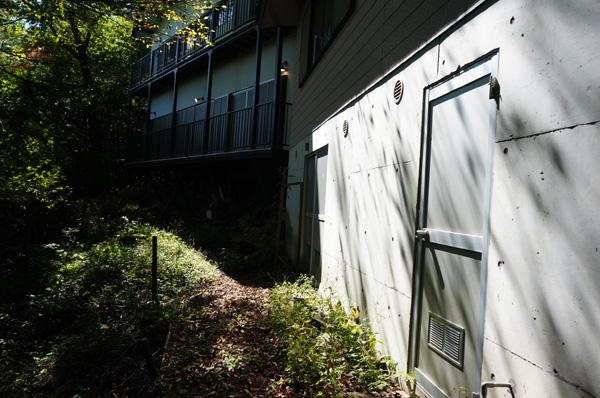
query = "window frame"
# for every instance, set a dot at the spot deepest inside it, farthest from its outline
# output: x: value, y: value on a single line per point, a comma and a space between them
x: 310, y: 66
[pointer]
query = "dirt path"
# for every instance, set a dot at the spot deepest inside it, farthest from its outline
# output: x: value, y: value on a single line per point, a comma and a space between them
x: 221, y: 347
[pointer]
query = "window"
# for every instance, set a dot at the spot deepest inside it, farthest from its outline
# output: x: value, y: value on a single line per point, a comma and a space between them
x: 320, y: 22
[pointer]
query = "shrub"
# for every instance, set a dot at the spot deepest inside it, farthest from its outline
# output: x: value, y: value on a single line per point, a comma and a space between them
x: 328, y: 351
x: 97, y: 304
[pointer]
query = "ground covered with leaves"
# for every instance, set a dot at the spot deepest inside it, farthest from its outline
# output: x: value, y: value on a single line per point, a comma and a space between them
x: 222, y: 346
x: 233, y: 340
x: 86, y: 325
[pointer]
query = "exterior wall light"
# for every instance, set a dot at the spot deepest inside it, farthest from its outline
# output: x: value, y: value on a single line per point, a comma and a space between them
x: 283, y: 69
x: 199, y: 99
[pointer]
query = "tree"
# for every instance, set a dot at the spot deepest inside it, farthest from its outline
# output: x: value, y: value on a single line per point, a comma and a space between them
x: 64, y: 76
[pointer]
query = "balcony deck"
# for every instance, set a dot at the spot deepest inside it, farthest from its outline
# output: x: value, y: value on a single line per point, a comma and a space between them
x: 226, y: 18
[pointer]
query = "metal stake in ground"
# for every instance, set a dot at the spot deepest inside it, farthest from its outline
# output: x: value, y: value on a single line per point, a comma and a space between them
x: 155, y: 269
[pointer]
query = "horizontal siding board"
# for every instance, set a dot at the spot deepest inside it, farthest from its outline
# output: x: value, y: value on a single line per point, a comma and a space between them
x: 353, y: 35
x: 376, y: 38
x: 327, y: 80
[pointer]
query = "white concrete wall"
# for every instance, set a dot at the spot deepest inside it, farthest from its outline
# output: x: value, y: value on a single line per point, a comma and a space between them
x: 542, y: 317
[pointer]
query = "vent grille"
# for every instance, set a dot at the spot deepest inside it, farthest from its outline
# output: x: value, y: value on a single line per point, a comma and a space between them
x: 398, y: 91
x: 345, y: 128
x: 446, y: 339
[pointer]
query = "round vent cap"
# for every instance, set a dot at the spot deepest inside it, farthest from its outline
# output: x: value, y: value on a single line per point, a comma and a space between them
x: 398, y: 91
x: 345, y: 128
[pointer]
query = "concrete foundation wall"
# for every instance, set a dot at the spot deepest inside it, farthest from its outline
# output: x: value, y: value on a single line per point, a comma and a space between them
x: 542, y: 300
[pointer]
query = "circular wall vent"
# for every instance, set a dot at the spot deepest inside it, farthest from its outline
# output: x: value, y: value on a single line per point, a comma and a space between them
x: 398, y: 91
x: 345, y: 128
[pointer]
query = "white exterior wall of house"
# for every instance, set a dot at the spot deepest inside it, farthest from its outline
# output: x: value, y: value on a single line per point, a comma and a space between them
x: 543, y: 275
x: 229, y: 75
x: 162, y: 101
x: 190, y: 87
x: 233, y: 74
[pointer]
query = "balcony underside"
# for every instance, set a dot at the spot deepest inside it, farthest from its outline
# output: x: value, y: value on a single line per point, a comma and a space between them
x: 262, y: 153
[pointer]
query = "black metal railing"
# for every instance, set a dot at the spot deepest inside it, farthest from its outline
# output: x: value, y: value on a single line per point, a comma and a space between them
x: 226, y: 16
x: 164, y: 56
x: 193, y: 135
x: 158, y: 140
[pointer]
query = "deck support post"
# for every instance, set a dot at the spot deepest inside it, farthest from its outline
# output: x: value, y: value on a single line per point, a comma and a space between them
x: 174, y: 113
x: 277, y: 103
x: 148, y: 122
x: 209, y: 78
x: 256, y: 86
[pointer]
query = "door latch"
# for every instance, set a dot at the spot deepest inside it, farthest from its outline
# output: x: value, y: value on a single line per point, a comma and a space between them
x: 422, y: 234
x: 495, y: 91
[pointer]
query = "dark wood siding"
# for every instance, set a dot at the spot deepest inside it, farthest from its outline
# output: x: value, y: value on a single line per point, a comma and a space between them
x: 378, y: 36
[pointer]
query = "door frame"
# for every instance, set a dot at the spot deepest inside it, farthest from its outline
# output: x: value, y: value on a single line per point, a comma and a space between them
x: 483, y: 67
x: 303, y: 226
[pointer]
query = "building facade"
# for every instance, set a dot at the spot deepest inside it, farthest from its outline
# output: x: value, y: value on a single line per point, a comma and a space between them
x: 443, y: 179
x: 227, y: 97
x: 442, y: 162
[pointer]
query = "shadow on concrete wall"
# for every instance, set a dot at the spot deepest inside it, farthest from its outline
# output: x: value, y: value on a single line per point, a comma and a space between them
x: 544, y: 233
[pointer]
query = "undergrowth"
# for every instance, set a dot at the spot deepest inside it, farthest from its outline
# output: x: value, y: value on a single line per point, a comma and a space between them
x: 80, y: 336
x: 328, y: 351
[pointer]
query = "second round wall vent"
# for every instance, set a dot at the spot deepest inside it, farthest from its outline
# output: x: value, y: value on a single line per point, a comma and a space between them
x: 398, y: 91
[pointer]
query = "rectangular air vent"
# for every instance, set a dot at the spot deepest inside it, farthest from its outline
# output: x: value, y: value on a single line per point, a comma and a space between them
x: 446, y: 339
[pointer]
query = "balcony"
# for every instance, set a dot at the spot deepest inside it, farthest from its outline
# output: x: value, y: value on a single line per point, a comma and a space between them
x: 226, y: 17
x: 194, y: 137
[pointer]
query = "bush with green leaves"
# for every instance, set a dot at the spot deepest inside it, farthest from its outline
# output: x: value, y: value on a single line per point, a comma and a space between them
x: 328, y: 351
x: 98, y: 304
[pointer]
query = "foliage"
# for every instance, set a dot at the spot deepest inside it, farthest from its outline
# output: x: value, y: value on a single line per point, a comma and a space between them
x: 410, y: 383
x: 327, y: 350
x: 79, y: 335
x: 64, y: 103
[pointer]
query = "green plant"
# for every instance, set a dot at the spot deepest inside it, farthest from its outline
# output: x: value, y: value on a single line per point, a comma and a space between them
x: 409, y: 381
x: 327, y: 350
x: 98, y: 303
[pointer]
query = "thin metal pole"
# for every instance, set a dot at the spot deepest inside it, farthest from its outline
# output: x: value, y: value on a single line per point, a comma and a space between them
x: 148, y: 123
x: 277, y: 108
x: 208, y: 99
x: 256, y: 86
x: 174, y: 113
x: 155, y: 269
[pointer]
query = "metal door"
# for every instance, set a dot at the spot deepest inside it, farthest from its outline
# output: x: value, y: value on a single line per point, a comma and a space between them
x: 314, y: 210
x: 459, y: 130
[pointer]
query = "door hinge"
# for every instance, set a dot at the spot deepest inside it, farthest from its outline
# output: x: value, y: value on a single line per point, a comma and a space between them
x: 495, y: 91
